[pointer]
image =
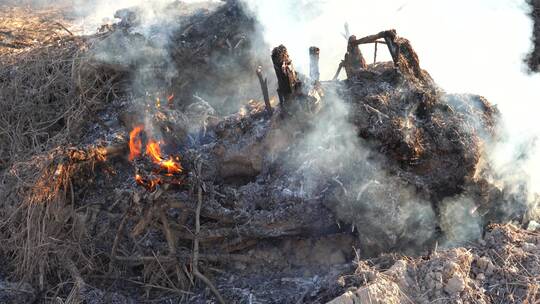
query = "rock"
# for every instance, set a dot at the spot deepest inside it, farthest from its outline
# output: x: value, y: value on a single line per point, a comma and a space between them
x: 450, y: 269
x: 481, y: 277
x: 528, y: 247
x: 483, y: 263
x: 381, y: 292
x: 490, y: 269
x: 399, y: 273
x: 533, y: 226
x: 455, y: 285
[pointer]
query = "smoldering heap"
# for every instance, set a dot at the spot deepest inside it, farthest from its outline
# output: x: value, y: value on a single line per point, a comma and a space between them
x: 269, y: 204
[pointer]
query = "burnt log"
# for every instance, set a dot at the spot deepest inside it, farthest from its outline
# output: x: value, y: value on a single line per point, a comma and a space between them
x: 401, y: 50
x: 289, y: 87
x: 354, y: 60
x: 314, y: 72
x: 533, y: 59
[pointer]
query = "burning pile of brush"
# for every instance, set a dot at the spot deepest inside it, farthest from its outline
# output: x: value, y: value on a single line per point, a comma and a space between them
x: 152, y: 167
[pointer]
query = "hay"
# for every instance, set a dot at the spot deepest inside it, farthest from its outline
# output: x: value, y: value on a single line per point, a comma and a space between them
x: 22, y: 28
x: 49, y: 90
x: 46, y: 88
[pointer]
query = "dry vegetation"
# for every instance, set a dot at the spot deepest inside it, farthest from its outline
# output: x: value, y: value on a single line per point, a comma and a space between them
x: 49, y: 92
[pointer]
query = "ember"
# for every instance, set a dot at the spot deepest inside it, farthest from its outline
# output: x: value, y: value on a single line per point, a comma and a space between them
x: 170, y: 100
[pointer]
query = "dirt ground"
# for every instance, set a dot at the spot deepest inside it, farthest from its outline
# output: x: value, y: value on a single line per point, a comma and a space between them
x: 376, y: 190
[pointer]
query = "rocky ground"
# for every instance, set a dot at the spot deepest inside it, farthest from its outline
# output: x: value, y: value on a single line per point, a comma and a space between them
x: 375, y: 190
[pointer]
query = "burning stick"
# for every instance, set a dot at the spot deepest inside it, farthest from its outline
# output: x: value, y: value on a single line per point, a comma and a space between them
x: 264, y: 88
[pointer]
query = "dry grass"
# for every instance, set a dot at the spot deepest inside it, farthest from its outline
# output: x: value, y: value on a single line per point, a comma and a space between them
x: 47, y: 86
x: 44, y: 95
x: 22, y: 28
x: 49, y: 90
x: 39, y: 220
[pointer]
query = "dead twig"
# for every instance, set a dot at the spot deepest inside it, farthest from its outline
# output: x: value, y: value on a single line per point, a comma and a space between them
x: 196, y: 271
x: 64, y: 28
x: 264, y: 87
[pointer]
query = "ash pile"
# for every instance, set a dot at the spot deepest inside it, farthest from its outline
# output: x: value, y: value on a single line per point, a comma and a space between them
x: 176, y: 172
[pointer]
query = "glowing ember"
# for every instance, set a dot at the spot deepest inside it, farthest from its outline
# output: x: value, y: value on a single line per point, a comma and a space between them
x: 170, y: 100
x: 150, y: 184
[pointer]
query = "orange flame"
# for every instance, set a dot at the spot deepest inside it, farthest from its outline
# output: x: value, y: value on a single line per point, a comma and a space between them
x: 135, y: 142
x: 153, y: 150
x: 172, y: 166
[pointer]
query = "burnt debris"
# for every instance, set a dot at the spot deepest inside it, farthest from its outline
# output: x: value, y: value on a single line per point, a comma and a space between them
x: 533, y: 60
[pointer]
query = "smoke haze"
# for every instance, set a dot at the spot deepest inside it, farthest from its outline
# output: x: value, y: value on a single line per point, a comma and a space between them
x: 468, y: 47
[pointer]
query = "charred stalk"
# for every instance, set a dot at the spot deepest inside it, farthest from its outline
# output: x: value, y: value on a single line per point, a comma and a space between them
x: 314, y: 55
x: 354, y: 60
x: 264, y: 87
x: 288, y: 83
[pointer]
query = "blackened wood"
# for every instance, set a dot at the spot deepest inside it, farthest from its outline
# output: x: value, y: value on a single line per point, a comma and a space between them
x: 340, y: 67
x: 389, y: 38
x: 314, y: 55
x: 375, y: 54
x: 288, y: 83
x: 264, y: 87
x: 354, y: 60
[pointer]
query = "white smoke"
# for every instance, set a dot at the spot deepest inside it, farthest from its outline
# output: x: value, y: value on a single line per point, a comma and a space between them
x: 92, y: 14
x: 467, y: 46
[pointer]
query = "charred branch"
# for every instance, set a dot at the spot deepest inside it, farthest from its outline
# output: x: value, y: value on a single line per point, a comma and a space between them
x: 196, y: 271
x: 533, y: 60
x: 354, y: 60
x: 403, y: 54
x: 288, y: 83
x: 264, y: 87
x: 340, y: 67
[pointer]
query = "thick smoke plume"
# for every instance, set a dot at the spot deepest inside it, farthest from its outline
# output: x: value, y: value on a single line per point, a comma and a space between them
x: 467, y: 47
